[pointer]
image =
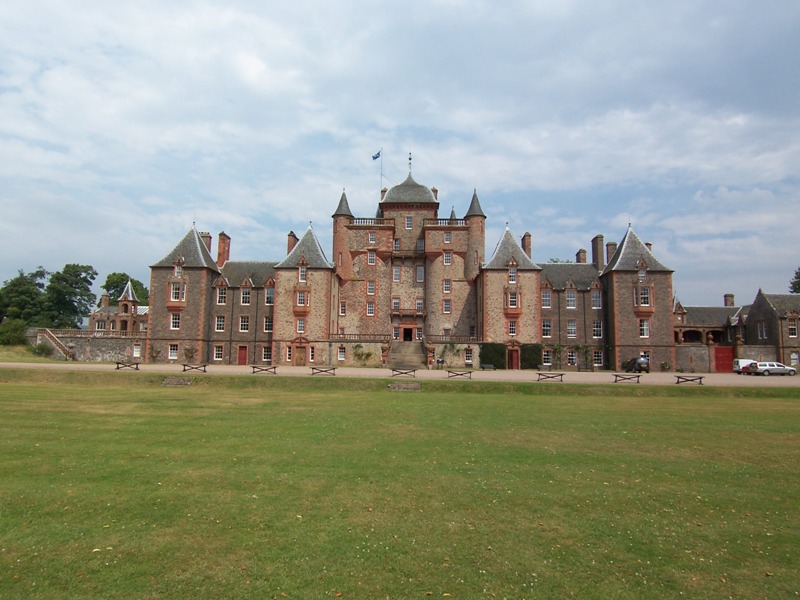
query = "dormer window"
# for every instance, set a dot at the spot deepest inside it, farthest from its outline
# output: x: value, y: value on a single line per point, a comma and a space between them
x: 178, y: 270
x: 642, y: 274
x: 301, y: 273
x: 512, y: 275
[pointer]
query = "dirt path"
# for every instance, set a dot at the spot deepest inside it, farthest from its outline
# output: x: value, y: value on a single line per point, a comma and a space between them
x: 597, y: 377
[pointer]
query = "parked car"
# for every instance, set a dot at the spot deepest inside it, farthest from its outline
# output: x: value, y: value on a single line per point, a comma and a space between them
x: 740, y: 365
x: 771, y: 368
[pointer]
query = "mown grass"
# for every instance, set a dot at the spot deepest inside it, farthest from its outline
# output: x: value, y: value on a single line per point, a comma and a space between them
x: 112, y: 485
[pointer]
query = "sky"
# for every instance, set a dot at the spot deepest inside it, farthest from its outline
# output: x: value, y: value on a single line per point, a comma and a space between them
x: 123, y: 125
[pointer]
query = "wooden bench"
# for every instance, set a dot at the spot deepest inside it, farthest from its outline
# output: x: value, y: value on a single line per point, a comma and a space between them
x: 550, y: 377
x: 404, y: 372
x: 698, y: 379
x: 623, y: 377
x: 190, y: 367
x: 323, y: 371
x: 487, y: 368
x: 124, y: 364
x: 268, y: 369
x: 545, y: 367
x: 463, y: 374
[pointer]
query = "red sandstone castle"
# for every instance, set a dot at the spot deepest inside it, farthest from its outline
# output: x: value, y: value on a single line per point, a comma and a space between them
x: 408, y: 287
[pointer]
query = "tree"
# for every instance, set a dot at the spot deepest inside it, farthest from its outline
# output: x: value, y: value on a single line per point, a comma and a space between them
x: 22, y: 298
x: 68, y: 297
x: 794, y: 284
x: 115, y: 284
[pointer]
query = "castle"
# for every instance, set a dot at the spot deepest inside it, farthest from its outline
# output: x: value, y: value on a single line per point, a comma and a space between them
x: 409, y: 287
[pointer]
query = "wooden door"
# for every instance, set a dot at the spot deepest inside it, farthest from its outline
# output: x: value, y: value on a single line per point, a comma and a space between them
x: 242, y: 358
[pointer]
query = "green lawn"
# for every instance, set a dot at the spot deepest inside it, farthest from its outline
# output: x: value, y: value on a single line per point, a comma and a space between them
x: 113, y: 485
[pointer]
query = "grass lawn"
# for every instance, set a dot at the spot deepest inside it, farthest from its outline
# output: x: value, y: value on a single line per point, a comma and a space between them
x: 113, y: 485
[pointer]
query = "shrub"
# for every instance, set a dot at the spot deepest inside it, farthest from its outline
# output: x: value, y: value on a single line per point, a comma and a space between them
x: 43, y: 349
x: 493, y: 354
x: 12, y: 332
x: 531, y: 356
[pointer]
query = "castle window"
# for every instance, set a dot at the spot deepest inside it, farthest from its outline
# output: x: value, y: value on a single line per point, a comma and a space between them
x: 512, y: 328
x: 395, y: 304
x: 468, y: 356
x: 420, y: 273
x: 266, y: 354
x: 572, y: 357
x: 178, y: 270
x: 547, y: 328
x: 217, y: 352
x: 137, y: 350
x: 448, y: 237
x: 512, y: 275
x: 793, y: 328
x: 446, y: 306
x: 371, y: 257
x: 342, y: 308
x: 175, y: 321
x: 642, y: 275
x: 420, y: 305
x: 597, y: 329
x: 244, y: 323
x: 572, y: 299
x: 409, y: 222
x: 269, y: 296
x: 597, y: 302
x: 371, y: 237
x: 302, y: 298
x: 288, y: 353
x: 420, y: 245
x: 572, y: 328
x: 447, y: 286
x: 220, y: 323
x: 301, y: 326
x: 172, y: 353
x: 311, y: 354
x: 547, y: 357
x: 100, y: 326
x: 267, y: 324
x: 245, y: 296
x: 448, y: 257
x: 512, y: 299
x: 397, y: 244
x: 301, y: 273
x: 644, y: 328
x: 396, y: 273
x: 762, y: 330
x: 546, y: 298
x: 222, y: 295
x: 644, y: 296
x: 370, y: 288
x: 175, y: 292
x: 370, y: 309
x: 419, y: 333
x: 342, y: 355
x: 597, y: 358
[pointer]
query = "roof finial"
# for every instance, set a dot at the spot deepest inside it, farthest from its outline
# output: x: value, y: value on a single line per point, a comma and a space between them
x: 409, y: 163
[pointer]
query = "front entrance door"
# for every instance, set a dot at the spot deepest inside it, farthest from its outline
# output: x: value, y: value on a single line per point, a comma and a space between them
x: 408, y: 334
x: 513, y: 359
x: 242, y: 356
x: 300, y: 356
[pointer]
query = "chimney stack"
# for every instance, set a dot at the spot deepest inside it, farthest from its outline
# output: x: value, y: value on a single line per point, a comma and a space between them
x: 291, y: 242
x: 649, y: 246
x: 223, y: 248
x: 597, y: 252
x: 580, y: 256
x: 729, y: 300
x: 206, y: 237
x: 611, y: 248
x: 526, y: 243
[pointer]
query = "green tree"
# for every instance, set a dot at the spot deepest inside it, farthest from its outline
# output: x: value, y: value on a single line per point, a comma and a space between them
x: 115, y: 284
x: 22, y: 298
x: 794, y: 284
x: 69, y: 297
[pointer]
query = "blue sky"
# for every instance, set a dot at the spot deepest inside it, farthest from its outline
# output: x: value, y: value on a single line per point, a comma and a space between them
x: 121, y: 124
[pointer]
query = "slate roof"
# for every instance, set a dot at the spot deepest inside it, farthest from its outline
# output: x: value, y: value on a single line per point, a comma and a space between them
x: 508, y: 248
x: 256, y: 273
x: 559, y: 275
x: 193, y: 252
x: 409, y: 192
x: 629, y: 252
x: 307, y: 248
x: 709, y: 316
x: 343, y: 209
x: 475, y: 209
x: 783, y: 303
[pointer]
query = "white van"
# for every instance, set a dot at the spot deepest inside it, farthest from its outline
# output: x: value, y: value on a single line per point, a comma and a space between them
x: 739, y: 363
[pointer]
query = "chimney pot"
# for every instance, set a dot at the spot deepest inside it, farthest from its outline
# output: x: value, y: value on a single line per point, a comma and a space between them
x: 597, y: 252
x: 223, y: 248
x: 526, y: 243
x: 729, y: 300
x: 580, y: 256
x: 291, y: 242
x: 611, y: 248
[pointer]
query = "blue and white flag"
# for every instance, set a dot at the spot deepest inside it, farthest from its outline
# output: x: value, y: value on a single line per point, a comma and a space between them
x: 377, y: 155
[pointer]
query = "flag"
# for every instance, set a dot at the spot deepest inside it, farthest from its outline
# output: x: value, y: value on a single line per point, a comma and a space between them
x: 377, y: 155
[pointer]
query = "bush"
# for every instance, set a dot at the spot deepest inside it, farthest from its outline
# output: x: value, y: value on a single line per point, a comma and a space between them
x: 43, y: 349
x: 531, y: 356
x: 12, y: 332
x: 493, y: 354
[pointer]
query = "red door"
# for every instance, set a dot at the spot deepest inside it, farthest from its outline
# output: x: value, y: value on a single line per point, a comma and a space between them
x: 513, y: 359
x: 723, y: 359
x: 242, y: 355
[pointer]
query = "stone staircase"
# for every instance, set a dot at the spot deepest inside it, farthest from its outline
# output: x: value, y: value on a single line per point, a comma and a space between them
x: 406, y: 355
